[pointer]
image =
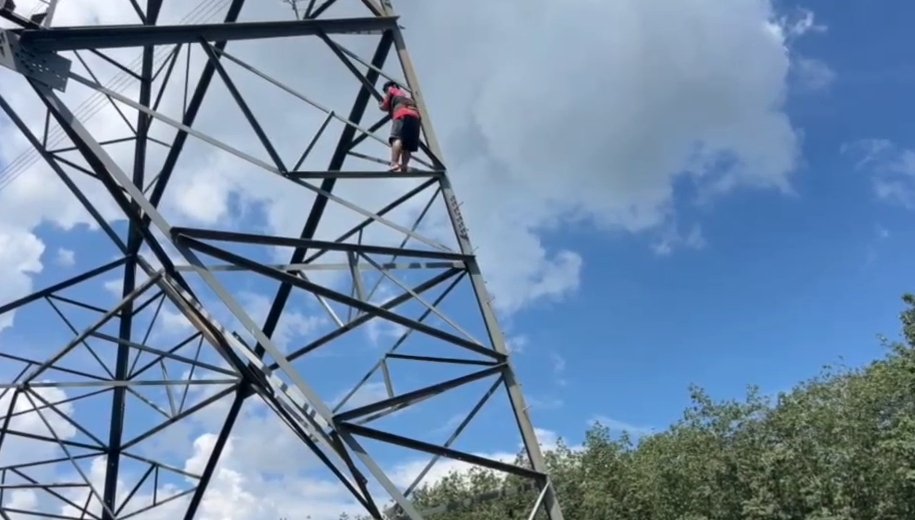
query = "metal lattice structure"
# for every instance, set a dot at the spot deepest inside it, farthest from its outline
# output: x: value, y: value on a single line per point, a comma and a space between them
x: 368, y: 248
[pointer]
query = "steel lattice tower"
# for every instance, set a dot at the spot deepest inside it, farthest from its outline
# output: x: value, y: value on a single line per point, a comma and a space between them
x: 363, y: 248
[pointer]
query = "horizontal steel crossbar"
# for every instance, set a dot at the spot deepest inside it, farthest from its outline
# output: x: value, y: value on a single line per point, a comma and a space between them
x: 115, y: 36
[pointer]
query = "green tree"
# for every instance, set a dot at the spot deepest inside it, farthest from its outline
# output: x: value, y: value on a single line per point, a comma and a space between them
x: 840, y: 446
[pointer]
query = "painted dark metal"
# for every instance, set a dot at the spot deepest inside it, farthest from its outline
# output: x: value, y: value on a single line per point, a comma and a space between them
x: 334, y: 441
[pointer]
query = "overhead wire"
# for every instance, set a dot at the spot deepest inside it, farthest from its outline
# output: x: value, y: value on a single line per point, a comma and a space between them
x: 95, y: 102
x: 90, y: 106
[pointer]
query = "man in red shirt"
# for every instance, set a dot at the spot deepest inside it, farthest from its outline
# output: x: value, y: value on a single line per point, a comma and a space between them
x: 405, y: 128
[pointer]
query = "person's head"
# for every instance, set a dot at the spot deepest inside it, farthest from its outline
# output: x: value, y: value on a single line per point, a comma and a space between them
x: 387, y: 86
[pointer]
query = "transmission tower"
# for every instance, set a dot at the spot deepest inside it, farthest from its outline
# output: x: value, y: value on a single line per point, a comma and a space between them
x: 209, y: 106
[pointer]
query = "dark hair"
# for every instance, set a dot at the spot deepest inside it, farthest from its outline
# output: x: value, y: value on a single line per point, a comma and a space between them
x: 389, y: 83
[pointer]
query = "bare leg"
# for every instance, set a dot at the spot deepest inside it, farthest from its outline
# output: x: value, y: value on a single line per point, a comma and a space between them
x: 405, y: 160
x: 396, y: 152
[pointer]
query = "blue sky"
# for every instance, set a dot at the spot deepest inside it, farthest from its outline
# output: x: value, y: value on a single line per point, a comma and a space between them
x: 621, y: 280
x: 784, y: 285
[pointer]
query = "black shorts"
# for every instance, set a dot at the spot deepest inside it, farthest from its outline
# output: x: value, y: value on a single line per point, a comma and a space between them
x: 407, y: 130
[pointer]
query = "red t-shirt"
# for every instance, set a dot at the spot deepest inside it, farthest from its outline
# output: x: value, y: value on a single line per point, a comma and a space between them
x: 401, y: 110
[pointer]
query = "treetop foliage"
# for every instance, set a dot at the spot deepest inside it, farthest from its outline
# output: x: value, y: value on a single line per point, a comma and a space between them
x: 840, y: 446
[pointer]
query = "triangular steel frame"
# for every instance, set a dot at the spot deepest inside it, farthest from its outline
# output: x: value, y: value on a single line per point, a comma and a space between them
x: 262, y: 369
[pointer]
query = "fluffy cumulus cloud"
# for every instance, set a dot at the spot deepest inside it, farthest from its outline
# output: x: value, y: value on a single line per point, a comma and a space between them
x: 253, y: 480
x: 20, y: 256
x: 555, y: 112
x: 29, y: 416
x: 551, y: 114
x: 30, y: 195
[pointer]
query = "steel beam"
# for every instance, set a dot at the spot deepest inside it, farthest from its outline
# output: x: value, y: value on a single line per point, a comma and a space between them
x: 190, y: 112
x: 410, y: 398
x: 336, y: 163
x: 267, y: 240
x: 62, y: 285
x: 312, y: 413
x: 513, y: 387
x: 258, y: 367
x: 406, y: 442
x: 119, y: 36
x: 134, y: 241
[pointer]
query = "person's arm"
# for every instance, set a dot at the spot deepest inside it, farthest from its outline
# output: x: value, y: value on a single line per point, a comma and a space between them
x: 385, y: 104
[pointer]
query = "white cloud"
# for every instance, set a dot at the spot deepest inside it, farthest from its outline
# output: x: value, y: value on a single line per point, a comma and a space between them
x: 382, y: 332
x: 32, y: 420
x: 23, y: 500
x: 516, y: 344
x: 367, y: 394
x: 20, y: 256
x: 174, y: 322
x: 801, y: 21
x: 891, y: 167
x: 622, y: 426
x: 672, y: 239
x: 868, y: 152
x: 237, y: 493
x: 29, y: 420
x: 243, y: 487
x: 589, y: 111
x: 66, y: 257
x: 814, y: 74
x: 115, y: 287
x: 292, y: 324
x: 548, y: 438
x: 241, y: 473
x: 254, y: 479
x: 538, y: 135
x: 202, y: 197
x: 559, y: 368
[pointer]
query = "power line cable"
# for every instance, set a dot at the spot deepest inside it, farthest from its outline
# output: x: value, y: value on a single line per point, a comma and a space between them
x: 91, y: 105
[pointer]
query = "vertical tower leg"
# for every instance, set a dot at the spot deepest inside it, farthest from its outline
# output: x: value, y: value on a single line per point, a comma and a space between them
x: 395, y: 244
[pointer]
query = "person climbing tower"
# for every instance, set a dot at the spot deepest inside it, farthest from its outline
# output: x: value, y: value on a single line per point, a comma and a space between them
x: 405, y: 126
